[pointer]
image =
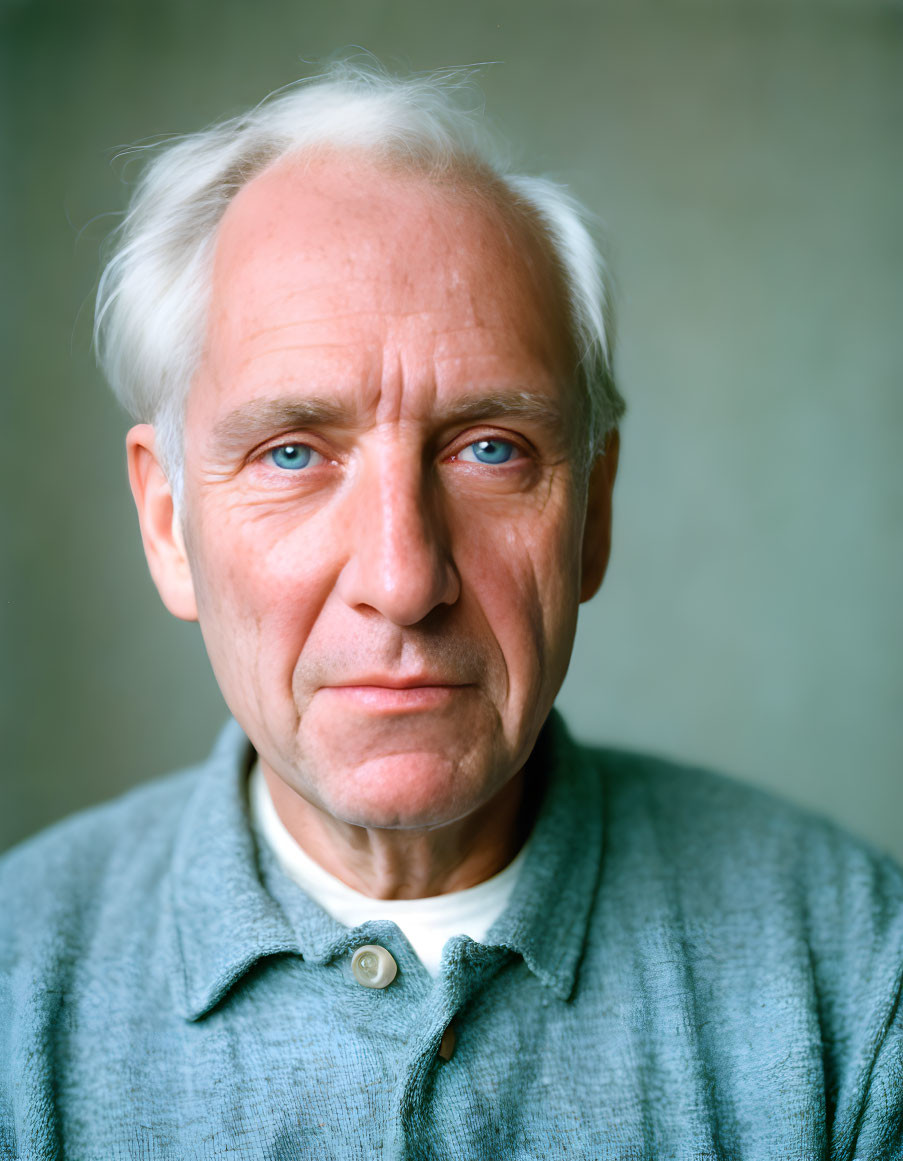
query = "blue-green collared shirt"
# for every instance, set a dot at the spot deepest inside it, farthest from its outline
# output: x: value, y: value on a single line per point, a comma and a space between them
x: 687, y: 969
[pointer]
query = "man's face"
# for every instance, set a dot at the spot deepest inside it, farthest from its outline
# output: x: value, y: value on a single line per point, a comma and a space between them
x: 383, y: 509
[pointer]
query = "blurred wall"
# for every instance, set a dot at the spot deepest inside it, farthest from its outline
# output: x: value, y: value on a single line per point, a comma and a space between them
x: 745, y: 157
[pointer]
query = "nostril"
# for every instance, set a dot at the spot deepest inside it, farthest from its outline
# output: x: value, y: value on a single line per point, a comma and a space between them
x: 404, y: 581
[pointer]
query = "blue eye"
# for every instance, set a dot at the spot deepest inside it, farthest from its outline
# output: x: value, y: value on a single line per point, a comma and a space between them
x: 488, y: 451
x: 291, y: 456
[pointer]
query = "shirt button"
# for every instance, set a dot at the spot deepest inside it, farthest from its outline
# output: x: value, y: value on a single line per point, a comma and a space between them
x: 373, y: 966
x: 447, y: 1043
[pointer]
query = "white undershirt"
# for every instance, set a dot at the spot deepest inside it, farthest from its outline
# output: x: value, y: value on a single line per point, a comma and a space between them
x: 427, y: 923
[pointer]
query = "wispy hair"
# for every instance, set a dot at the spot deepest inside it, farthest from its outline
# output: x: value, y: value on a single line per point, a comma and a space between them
x: 153, y: 296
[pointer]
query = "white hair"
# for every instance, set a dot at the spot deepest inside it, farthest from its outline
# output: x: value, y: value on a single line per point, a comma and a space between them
x: 153, y: 296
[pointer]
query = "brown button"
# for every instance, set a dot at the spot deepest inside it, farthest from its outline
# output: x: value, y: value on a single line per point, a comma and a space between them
x: 447, y: 1043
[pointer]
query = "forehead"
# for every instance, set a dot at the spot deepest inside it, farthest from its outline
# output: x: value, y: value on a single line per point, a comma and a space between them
x: 322, y: 259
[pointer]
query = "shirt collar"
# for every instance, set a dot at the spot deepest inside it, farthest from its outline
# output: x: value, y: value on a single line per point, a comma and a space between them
x: 548, y: 916
x: 223, y: 918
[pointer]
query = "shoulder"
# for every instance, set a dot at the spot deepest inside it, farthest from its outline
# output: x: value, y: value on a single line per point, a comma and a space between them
x: 721, y: 838
x: 782, y: 927
x: 690, y: 806
x: 73, y: 855
x: 743, y: 867
x: 702, y: 822
x: 101, y: 867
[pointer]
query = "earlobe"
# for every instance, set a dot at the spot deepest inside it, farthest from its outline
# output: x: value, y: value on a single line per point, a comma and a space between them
x: 597, y: 527
x: 161, y: 532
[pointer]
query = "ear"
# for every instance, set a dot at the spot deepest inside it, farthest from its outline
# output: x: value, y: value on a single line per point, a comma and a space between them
x: 161, y: 531
x: 597, y: 528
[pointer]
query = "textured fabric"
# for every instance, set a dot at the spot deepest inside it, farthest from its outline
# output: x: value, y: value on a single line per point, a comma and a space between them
x: 686, y: 969
x: 427, y: 924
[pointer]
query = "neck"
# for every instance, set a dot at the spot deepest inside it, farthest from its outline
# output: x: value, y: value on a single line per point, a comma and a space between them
x: 407, y: 864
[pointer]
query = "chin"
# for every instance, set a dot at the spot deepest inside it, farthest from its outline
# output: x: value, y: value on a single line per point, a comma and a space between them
x: 408, y: 791
x: 401, y: 770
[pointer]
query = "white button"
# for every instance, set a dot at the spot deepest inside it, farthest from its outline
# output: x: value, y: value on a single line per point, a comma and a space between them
x: 373, y: 966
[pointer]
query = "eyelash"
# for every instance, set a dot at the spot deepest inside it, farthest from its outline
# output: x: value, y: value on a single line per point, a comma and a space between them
x: 294, y: 443
x: 518, y: 453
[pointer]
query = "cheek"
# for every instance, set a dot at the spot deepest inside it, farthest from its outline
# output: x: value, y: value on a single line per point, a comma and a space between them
x: 524, y: 575
x: 260, y: 586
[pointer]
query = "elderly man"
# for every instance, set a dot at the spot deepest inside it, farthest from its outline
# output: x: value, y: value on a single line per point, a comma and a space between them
x: 399, y: 912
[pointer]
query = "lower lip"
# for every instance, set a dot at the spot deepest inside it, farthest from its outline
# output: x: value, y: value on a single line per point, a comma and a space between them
x: 386, y: 699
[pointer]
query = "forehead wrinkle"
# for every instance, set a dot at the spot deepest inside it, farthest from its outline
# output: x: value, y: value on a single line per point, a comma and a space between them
x: 482, y: 344
x: 381, y: 317
x: 308, y: 320
x: 307, y: 348
x: 313, y: 291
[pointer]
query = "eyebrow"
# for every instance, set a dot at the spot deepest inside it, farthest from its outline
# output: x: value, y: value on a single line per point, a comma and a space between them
x: 263, y: 417
x: 526, y: 405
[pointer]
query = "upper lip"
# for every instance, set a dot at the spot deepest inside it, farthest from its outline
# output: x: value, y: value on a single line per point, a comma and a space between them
x: 397, y: 681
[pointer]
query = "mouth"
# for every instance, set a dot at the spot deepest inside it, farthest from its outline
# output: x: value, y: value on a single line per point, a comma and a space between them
x: 423, y: 680
x: 394, y: 694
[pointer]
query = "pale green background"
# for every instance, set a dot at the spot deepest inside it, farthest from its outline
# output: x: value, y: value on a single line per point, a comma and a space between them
x: 746, y: 160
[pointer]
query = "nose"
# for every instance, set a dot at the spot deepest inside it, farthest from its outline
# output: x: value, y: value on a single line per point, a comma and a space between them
x: 399, y: 559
